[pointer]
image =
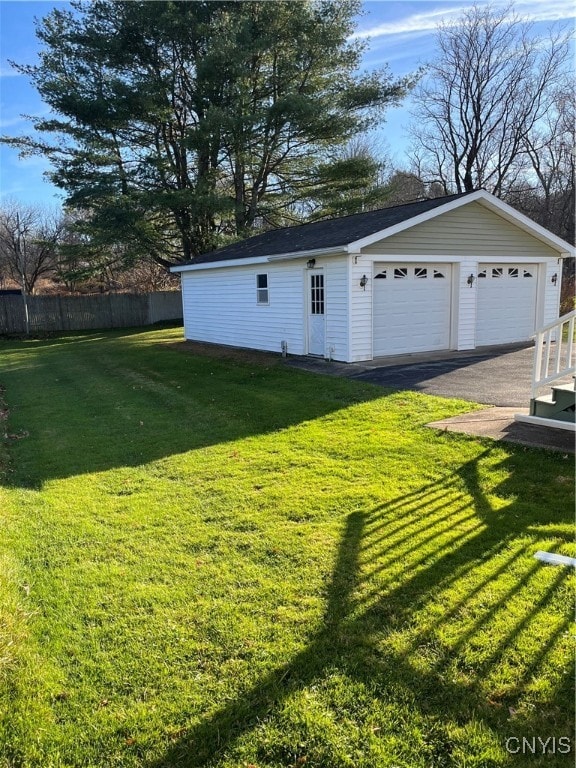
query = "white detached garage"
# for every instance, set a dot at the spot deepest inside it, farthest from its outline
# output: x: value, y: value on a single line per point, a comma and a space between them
x: 456, y: 272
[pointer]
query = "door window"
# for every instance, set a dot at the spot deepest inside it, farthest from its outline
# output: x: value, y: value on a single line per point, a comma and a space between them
x: 317, y: 294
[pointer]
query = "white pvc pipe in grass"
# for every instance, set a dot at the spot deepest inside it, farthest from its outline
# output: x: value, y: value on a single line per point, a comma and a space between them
x: 554, y: 559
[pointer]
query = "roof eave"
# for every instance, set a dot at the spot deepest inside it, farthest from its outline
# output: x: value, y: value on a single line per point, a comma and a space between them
x: 333, y: 251
x: 289, y: 256
x: 214, y: 264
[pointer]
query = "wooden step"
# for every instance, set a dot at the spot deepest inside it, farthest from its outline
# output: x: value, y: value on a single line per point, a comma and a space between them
x: 564, y: 395
x: 548, y: 408
x: 559, y: 403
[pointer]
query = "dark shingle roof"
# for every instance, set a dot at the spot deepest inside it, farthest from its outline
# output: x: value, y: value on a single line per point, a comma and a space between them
x: 328, y: 233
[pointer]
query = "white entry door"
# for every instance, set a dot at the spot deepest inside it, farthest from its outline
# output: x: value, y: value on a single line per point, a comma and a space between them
x: 316, y: 314
x: 506, y: 303
x: 412, y: 308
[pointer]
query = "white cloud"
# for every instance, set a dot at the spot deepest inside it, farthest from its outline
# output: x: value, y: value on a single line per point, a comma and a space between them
x: 532, y: 10
x: 552, y: 10
x: 8, y: 71
x: 418, y: 23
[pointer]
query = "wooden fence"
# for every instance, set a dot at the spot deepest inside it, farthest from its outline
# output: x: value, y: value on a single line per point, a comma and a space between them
x: 75, y: 313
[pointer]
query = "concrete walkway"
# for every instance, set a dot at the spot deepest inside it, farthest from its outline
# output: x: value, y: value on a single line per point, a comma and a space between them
x: 498, y: 424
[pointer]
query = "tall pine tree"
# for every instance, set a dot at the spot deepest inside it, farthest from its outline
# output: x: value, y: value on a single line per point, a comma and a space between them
x: 176, y: 125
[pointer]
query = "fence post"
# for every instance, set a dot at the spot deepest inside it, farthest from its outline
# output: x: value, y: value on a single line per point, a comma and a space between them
x: 26, y: 314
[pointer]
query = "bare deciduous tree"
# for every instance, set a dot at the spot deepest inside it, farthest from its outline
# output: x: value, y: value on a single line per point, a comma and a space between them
x: 28, y: 241
x: 550, y: 148
x: 490, y: 87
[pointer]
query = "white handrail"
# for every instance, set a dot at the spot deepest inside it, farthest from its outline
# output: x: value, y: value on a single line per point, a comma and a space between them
x: 550, y: 367
x: 554, y: 323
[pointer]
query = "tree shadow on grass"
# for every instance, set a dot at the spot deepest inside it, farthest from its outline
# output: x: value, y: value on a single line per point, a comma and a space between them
x: 93, y: 402
x: 411, y: 567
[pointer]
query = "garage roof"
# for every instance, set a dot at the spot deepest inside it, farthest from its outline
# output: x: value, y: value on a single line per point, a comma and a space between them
x: 328, y: 233
x: 361, y: 229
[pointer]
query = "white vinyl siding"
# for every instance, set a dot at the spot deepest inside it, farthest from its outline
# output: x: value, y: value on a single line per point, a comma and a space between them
x: 466, y: 311
x: 551, y: 308
x: 360, y: 311
x: 337, y: 317
x: 221, y: 307
x: 471, y: 230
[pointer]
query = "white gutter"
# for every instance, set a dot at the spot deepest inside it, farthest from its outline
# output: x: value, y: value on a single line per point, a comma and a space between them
x: 310, y: 254
x: 215, y: 264
x: 260, y: 259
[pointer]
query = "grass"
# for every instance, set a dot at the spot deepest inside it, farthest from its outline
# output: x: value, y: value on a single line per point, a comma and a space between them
x: 229, y: 563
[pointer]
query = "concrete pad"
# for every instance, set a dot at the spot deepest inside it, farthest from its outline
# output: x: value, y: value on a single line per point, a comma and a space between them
x: 499, y: 424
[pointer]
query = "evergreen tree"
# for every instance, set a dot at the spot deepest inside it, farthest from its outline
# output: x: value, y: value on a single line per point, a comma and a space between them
x: 176, y: 125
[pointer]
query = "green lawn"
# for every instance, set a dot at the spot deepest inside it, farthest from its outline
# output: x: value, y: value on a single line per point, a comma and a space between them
x: 213, y: 562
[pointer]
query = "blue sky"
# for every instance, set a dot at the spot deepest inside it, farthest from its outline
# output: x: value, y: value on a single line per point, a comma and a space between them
x: 398, y: 33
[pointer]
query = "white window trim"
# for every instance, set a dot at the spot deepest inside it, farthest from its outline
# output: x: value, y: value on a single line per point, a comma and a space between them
x: 258, y: 289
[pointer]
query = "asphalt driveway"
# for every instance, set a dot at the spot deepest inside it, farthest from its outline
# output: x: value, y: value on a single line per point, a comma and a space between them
x: 493, y: 377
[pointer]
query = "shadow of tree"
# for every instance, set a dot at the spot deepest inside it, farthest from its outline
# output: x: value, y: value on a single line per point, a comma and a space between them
x: 93, y: 402
x: 474, y: 586
x: 472, y: 376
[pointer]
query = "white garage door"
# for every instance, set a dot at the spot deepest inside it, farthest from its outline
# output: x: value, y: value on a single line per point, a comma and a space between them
x: 411, y: 308
x: 506, y: 303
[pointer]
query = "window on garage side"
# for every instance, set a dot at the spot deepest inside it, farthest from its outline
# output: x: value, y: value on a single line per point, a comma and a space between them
x: 262, y: 295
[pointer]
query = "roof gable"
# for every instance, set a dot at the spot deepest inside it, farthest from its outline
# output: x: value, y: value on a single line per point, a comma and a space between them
x: 492, y: 203
x: 469, y: 230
